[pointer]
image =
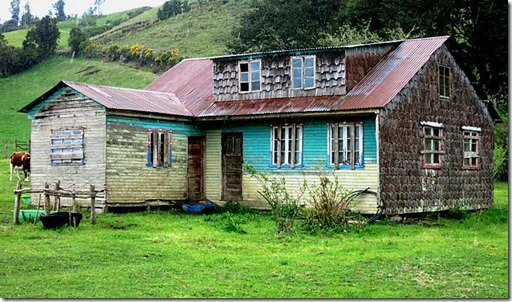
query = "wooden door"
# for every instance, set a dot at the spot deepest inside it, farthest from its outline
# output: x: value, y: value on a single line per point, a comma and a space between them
x: 195, y: 173
x: 232, y: 159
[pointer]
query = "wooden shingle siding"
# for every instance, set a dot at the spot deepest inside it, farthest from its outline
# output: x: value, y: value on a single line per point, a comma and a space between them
x: 128, y: 178
x: 68, y: 109
x: 257, y: 152
x: 406, y: 187
x: 276, y: 78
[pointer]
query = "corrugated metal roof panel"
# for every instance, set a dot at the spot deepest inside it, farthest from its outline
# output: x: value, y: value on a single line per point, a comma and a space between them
x: 132, y: 99
x: 192, y: 82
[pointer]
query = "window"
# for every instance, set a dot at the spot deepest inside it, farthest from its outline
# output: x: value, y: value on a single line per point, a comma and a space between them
x: 432, y: 152
x: 471, y: 147
x: 159, y: 148
x: 444, y: 81
x: 345, y: 145
x: 67, y: 146
x: 250, y: 74
x: 286, y: 145
x: 303, y: 72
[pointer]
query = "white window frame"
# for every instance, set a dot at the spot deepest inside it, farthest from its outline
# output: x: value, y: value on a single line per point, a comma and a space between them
x: 433, y: 145
x: 249, y: 77
x: 349, y: 156
x: 300, y: 72
x: 67, y: 146
x: 159, y: 150
x: 471, y: 148
x: 283, y: 148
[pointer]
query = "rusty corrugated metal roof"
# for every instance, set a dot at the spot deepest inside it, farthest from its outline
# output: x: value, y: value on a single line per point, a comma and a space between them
x: 192, y: 82
x: 132, y: 99
x: 391, y: 74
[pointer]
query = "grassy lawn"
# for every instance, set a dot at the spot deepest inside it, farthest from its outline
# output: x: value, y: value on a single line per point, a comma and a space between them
x: 164, y: 254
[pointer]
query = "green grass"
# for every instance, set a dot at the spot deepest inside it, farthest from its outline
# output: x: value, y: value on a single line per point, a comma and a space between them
x: 170, y: 255
x: 18, y: 90
x: 201, y: 32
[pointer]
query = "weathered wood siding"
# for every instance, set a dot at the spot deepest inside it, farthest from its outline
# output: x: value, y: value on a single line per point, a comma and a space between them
x: 67, y: 108
x: 257, y: 152
x: 128, y: 178
x: 405, y: 186
x: 276, y: 80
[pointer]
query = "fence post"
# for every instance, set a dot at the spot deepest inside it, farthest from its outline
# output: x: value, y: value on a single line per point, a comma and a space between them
x: 17, y: 201
x: 93, y: 205
x: 57, y: 196
x: 46, y: 198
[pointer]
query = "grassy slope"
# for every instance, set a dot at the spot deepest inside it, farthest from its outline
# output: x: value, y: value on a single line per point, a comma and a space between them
x: 201, y: 32
x: 163, y: 254
x: 18, y: 90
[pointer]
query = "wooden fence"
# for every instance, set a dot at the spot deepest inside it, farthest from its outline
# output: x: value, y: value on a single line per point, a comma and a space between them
x: 57, y: 193
x: 18, y: 145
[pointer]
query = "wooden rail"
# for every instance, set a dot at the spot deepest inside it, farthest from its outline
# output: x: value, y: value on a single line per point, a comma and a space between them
x: 57, y: 193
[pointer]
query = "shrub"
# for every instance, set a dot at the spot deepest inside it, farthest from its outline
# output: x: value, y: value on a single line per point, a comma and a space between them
x: 285, y: 207
x: 330, y: 206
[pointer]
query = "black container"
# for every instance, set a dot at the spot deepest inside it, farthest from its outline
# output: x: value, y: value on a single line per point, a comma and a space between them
x: 56, y: 220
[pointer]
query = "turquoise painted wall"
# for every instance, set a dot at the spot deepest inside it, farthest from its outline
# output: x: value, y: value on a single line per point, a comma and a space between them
x: 179, y: 128
x: 315, y: 154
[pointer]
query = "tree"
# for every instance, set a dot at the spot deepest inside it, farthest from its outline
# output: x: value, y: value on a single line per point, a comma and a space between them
x: 59, y: 10
x: 44, y: 37
x: 170, y: 9
x: 76, y: 37
x: 284, y: 24
x: 7, y: 57
x: 15, y: 11
x: 27, y: 17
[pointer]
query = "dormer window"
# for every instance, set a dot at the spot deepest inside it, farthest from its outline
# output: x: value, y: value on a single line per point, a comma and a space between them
x: 444, y: 81
x: 250, y: 75
x: 303, y: 72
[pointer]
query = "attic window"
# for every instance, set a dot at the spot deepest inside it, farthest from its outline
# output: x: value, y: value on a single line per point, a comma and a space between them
x: 159, y: 148
x: 444, y: 81
x: 303, y: 72
x: 250, y: 74
x: 67, y: 146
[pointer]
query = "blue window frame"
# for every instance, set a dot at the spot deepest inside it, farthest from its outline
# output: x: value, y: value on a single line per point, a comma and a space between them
x: 345, y: 145
x: 159, y: 152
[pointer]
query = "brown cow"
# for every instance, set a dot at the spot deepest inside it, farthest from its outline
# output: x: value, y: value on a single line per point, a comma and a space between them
x: 20, y: 161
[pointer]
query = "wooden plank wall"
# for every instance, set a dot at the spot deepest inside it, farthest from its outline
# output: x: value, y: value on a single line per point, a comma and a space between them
x: 256, y: 147
x: 67, y: 108
x: 129, y: 180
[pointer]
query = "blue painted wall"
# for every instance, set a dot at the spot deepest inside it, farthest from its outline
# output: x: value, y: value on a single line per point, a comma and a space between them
x: 179, y: 128
x: 257, y: 143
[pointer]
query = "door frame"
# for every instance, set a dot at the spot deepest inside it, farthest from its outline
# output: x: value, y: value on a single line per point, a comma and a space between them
x: 202, y: 142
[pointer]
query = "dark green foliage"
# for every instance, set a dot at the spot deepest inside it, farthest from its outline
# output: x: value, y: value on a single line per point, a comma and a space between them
x: 76, y: 37
x: 15, y: 12
x: 44, y: 37
x: 283, y: 24
x: 229, y: 222
x: 172, y: 8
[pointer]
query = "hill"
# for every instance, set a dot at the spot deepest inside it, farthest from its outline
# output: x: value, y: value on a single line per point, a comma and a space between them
x: 18, y: 90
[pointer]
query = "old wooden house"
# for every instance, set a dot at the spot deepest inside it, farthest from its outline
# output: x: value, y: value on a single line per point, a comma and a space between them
x: 399, y: 117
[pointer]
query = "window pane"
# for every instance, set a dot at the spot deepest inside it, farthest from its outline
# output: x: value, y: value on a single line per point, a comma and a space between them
x: 309, y: 72
x: 244, y: 77
x: 255, y: 86
x: 244, y: 67
x: 309, y: 62
x: 255, y: 65
x: 297, y: 63
x: 309, y: 82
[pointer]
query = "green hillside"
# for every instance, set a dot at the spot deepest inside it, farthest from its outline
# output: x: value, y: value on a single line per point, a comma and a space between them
x: 19, y: 90
x: 201, y: 32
